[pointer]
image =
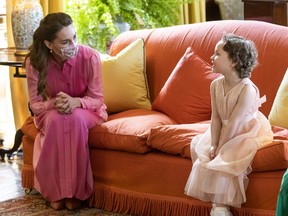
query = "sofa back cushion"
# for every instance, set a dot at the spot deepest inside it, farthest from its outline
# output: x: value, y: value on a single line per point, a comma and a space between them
x: 185, y: 96
x: 165, y: 46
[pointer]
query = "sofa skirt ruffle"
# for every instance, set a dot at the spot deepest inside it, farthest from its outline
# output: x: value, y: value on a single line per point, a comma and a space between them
x: 140, y: 204
x: 27, y: 176
x: 122, y: 201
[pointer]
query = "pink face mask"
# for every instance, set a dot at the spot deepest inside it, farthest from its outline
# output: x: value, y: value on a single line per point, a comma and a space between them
x: 68, y: 52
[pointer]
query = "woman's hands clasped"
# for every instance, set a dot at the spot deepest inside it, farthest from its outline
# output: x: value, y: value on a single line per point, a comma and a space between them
x: 65, y: 104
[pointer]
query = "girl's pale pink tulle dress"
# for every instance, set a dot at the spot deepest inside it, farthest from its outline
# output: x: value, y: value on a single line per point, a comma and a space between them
x: 223, y: 180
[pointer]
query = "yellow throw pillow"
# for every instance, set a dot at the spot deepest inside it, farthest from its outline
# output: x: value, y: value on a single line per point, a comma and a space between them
x: 124, y: 79
x: 279, y: 111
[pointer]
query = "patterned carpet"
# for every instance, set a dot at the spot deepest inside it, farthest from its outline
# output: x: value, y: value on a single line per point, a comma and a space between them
x: 35, y: 205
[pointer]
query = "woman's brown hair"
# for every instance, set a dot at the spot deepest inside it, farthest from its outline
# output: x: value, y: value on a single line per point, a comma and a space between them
x: 38, y: 52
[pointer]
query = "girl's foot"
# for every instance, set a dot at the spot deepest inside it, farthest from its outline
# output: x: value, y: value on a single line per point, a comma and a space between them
x: 220, y: 211
x: 57, y: 205
x: 72, y: 203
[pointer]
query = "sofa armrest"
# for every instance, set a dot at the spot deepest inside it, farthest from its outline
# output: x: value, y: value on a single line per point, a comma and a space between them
x: 29, y: 128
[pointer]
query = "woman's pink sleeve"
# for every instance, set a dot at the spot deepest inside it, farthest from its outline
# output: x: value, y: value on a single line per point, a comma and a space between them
x: 94, y: 99
x: 37, y: 104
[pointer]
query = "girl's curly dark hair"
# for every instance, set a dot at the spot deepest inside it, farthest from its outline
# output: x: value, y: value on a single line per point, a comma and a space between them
x: 243, y: 52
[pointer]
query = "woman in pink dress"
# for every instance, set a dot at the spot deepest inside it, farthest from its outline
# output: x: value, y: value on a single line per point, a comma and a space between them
x: 222, y: 156
x: 65, y: 92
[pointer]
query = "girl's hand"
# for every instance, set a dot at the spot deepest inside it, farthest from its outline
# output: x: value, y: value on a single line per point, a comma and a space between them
x: 212, y: 152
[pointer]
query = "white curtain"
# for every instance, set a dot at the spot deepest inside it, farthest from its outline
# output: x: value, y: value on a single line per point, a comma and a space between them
x: 7, y: 127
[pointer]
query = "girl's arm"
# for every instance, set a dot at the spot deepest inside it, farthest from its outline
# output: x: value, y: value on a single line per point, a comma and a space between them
x: 244, y: 104
x: 216, y: 124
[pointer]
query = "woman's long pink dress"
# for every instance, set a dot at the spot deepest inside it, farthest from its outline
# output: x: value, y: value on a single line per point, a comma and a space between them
x: 223, y: 180
x: 61, y: 154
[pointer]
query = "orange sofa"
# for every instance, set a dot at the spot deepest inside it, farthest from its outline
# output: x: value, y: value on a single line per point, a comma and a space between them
x: 144, y: 165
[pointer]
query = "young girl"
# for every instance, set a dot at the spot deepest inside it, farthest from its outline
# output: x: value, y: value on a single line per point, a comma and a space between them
x: 222, y: 156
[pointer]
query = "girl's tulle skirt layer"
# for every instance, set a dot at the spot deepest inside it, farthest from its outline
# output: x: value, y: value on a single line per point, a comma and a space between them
x: 217, y: 187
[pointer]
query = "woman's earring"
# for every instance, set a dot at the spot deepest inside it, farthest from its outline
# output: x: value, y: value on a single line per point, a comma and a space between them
x: 51, y: 51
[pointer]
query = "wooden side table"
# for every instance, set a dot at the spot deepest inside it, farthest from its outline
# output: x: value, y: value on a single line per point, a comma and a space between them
x: 272, y: 11
x: 7, y: 58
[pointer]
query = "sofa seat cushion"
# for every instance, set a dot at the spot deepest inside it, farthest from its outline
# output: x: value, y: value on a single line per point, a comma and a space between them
x: 271, y: 157
x: 176, y: 139
x: 127, y: 130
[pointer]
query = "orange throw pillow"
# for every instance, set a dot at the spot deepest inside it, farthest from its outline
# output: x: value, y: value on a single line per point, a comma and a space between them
x: 185, y: 96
